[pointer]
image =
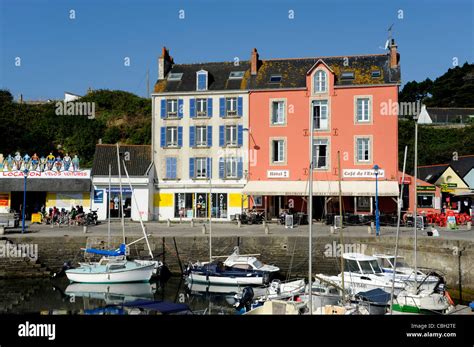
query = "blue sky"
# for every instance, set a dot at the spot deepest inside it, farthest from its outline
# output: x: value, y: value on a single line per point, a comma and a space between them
x: 61, y: 54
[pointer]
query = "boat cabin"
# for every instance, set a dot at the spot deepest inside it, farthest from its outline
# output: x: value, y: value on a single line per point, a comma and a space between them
x: 361, y: 264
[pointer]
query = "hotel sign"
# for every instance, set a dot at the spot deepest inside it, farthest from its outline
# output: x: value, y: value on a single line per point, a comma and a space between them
x: 278, y: 173
x: 358, y: 173
x: 47, y: 174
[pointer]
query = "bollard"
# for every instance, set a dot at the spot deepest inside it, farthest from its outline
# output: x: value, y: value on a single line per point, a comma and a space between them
x: 84, y: 229
x: 370, y: 228
x: 192, y: 223
x: 469, y: 225
x: 239, y: 224
x: 267, y: 230
x: 332, y: 229
x: 264, y: 223
x: 204, y: 228
x: 168, y: 222
x: 2, y: 230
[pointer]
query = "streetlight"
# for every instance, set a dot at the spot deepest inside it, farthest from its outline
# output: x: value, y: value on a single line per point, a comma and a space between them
x: 377, y: 217
x: 25, y: 174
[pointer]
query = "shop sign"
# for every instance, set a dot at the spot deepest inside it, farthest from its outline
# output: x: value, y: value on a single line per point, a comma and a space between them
x: 426, y: 188
x: 4, y: 200
x: 358, y: 173
x: 406, y: 180
x: 448, y: 187
x: 98, y: 196
x: 47, y: 174
x: 117, y: 190
x: 278, y: 173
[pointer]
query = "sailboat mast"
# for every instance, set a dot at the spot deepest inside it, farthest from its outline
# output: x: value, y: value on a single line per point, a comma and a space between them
x: 138, y: 210
x: 121, y: 194
x: 399, y: 212
x: 310, y: 219
x: 108, y: 208
x: 210, y: 218
x: 415, y: 208
x: 340, y: 216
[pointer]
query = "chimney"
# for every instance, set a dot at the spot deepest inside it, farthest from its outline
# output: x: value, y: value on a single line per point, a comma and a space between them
x: 394, y: 55
x: 254, y: 62
x: 165, y: 62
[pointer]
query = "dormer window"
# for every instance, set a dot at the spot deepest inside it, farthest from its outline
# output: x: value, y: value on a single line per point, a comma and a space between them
x: 320, y: 81
x: 275, y: 78
x: 201, y: 80
x: 347, y: 75
x: 236, y: 75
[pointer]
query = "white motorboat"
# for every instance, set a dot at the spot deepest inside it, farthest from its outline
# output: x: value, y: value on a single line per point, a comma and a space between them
x: 279, y: 307
x: 413, y: 301
x: 405, y: 273
x: 237, y: 270
x: 363, y: 273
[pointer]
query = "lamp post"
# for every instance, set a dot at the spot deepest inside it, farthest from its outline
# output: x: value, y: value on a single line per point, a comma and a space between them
x: 377, y: 213
x: 25, y: 175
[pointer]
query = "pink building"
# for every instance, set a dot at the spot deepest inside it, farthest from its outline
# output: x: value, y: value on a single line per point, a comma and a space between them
x: 349, y: 99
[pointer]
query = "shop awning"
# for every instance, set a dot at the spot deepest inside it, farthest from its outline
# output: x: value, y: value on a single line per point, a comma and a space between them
x: 322, y: 188
x: 463, y: 193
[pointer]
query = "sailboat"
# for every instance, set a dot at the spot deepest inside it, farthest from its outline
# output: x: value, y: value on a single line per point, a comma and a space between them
x: 415, y: 299
x: 114, y: 267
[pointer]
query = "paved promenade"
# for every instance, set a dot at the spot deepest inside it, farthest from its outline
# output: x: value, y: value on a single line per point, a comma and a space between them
x: 227, y: 229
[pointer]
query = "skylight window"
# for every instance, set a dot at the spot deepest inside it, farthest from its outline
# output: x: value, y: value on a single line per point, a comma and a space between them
x: 234, y: 75
x: 175, y: 76
x: 275, y: 78
x: 375, y: 73
x: 348, y: 75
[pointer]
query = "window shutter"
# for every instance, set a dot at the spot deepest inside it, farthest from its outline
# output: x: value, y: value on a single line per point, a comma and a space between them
x: 240, y: 167
x: 168, y: 168
x: 239, y: 106
x: 209, y: 168
x: 221, y: 135
x: 209, y: 107
x: 209, y: 136
x: 163, y: 137
x: 180, y: 108
x: 192, y: 108
x: 180, y: 136
x: 221, y: 168
x: 191, y: 167
x: 192, y: 136
x: 240, y: 135
x: 163, y: 108
x: 221, y: 107
x: 173, y: 168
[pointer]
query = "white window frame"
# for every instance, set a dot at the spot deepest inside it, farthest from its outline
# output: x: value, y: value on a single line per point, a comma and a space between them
x: 200, y: 167
x: 281, y: 112
x: 368, y: 149
x: 201, y: 136
x: 366, y: 116
x: 233, y: 139
x: 232, y: 110
x: 173, y: 113
x: 322, y: 103
x: 231, y: 164
x: 281, y: 160
x: 201, y: 107
x: 171, y: 141
x: 319, y: 142
x: 200, y: 73
x: 320, y: 81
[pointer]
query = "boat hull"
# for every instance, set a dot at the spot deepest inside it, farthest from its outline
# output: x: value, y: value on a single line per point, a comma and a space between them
x: 136, y: 274
x: 226, y: 280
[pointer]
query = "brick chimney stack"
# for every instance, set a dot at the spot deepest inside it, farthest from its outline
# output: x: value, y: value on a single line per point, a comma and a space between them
x: 394, y: 55
x: 165, y: 63
x: 254, y: 62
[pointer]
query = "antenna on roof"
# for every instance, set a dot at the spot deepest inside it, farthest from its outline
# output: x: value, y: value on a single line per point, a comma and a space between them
x: 387, y: 43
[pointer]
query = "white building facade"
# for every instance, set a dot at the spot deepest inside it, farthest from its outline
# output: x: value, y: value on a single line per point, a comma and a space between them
x: 199, y: 140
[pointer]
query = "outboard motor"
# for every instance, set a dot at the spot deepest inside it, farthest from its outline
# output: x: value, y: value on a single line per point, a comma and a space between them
x: 245, y: 300
x: 62, y: 272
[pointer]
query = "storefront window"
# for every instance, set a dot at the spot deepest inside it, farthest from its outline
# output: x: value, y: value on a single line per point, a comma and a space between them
x: 219, y: 205
x: 425, y: 200
x: 363, y: 203
x: 183, y: 205
x: 195, y: 205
